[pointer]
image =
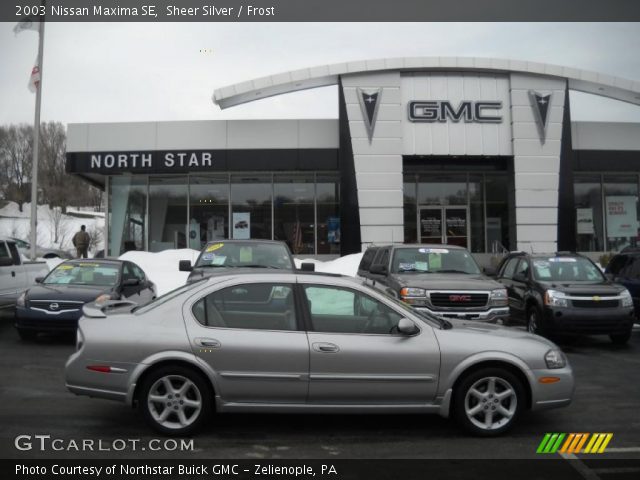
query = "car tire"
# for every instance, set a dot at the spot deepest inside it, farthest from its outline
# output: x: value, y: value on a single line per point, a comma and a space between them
x: 620, y: 338
x: 175, y: 400
x: 534, y: 321
x: 27, y: 335
x: 489, y: 401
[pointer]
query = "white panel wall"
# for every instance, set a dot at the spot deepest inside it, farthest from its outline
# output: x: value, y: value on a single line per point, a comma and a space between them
x: 455, y: 138
x: 536, y: 164
x: 378, y: 164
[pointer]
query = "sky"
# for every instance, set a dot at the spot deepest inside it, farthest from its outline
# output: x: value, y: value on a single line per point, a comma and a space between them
x: 119, y: 72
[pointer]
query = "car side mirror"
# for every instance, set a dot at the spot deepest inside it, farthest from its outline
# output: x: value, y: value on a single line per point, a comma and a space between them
x: 6, y: 261
x: 131, y: 282
x: 308, y: 267
x: 39, y: 279
x: 407, y: 327
x: 490, y: 271
x: 185, y: 266
x: 378, y: 269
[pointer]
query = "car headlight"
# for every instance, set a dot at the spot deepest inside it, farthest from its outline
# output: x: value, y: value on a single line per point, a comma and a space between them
x: 103, y: 298
x: 23, y: 297
x: 555, y: 359
x: 627, y: 300
x: 414, y: 296
x: 499, y: 298
x: 553, y: 298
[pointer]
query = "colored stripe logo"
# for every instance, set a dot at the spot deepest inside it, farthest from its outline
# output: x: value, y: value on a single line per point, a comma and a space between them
x: 574, y: 443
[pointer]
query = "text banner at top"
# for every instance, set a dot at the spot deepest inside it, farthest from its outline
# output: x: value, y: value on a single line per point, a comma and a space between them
x: 322, y: 10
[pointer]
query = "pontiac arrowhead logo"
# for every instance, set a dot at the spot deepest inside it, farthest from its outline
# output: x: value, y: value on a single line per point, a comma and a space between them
x: 369, y: 102
x: 540, y: 103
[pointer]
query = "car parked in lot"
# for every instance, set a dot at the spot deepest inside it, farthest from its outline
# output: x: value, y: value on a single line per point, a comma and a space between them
x: 54, y: 303
x: 15, y: 273
x: 290, y: 342
x: 624, y: 268
x: 443, y: 280
x: 41, y: 252
x: 226, y: 254
x: 565, y: 293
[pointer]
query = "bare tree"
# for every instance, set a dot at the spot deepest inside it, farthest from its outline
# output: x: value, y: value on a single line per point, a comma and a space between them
x: 95, y: 236
x: 16, y: 159
x: 59, y: 225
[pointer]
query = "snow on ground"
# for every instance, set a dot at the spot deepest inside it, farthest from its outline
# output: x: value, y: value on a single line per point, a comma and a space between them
x: 162, y: 267
x: 14, y: 223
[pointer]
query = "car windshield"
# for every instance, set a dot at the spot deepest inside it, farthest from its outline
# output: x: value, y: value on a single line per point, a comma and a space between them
x: 566, y: 269
x: 245, y: 254
x: 84, y: 273
x: 433, y: 260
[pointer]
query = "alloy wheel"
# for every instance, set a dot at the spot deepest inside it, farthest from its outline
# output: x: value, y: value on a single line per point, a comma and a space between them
x: 174, y: 401
x: 490, y: 403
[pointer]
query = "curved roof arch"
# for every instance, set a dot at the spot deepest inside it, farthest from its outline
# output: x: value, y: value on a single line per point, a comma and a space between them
x: 295, y: 80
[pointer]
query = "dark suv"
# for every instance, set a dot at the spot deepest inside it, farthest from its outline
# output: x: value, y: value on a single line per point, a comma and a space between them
x: 624, y: 268
x: 565, y: 293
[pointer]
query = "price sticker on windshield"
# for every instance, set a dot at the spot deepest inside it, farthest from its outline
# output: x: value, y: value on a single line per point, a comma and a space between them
x: 214, y: 247
x: 563, y: 259
x: 433, y: 250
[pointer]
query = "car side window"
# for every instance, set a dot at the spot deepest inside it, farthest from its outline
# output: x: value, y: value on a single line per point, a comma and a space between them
x: 509, y: 268
x: 4, y: 251
x: 137, y: 272
x: 616, y: 264
x: 523, y: 268
x: 367, y: 257
x: 342, y: 310
x: 127, y: 271
x: 256, y: 306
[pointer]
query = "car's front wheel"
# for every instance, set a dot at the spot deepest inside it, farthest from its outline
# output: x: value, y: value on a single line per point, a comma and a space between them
x: 175, y: 400
x: 488, y: 401
x: 620, y: 338
x: 534, y: 321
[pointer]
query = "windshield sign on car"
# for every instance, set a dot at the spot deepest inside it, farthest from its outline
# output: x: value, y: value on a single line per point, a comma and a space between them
x: 433, y: 260
x: 241, y: 254
x: 566, y: 269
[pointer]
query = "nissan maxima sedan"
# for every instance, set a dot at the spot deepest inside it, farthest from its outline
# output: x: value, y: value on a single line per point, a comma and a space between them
x: 305, y: 342
x: 54, y: 303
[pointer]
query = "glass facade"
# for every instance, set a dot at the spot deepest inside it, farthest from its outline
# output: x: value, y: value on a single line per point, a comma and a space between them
x: 607, y: 214
x: 160, y: 212
x: 467, y: 209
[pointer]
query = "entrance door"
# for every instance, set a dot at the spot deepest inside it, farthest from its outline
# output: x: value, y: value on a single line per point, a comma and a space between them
x: 447, y: 225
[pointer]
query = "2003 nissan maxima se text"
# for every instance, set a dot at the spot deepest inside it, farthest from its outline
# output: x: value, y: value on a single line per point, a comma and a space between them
x: 292, y: 342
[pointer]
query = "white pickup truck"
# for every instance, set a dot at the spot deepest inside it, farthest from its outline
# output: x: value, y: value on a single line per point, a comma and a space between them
x: 16, y: 275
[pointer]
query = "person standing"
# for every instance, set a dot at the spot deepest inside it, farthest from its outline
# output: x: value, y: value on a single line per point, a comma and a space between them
x: 81, y: 241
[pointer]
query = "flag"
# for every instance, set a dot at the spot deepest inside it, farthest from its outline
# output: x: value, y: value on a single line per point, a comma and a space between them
x: 34, y: 81
x: 26, y: 24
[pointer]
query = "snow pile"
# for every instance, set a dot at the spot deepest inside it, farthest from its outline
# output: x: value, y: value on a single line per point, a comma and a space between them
x: 347, y: 265
x: 162, y: 267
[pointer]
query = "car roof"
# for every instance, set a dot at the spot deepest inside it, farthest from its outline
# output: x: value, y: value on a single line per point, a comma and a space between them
x: 545, y: 255
x: 114, y: 261
x: 271, y: 273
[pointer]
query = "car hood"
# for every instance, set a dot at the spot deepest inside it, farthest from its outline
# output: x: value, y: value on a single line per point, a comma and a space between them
x: 446, y: 281
x: 584, y: 288
x: 84, y: 293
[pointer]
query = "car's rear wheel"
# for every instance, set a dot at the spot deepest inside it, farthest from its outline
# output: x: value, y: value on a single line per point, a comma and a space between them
x: 534, y: 321
x: 620, y: 338
x: 27, y: 334
x: 175, y: 400
x: 488, y: 402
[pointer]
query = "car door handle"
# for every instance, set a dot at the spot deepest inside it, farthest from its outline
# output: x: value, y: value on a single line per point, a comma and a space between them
x: 208, y: 342
x: 324, y: 347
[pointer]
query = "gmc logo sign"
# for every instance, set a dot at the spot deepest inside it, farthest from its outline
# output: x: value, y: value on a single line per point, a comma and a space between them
x: 459, y: 298
x: 442, y: 110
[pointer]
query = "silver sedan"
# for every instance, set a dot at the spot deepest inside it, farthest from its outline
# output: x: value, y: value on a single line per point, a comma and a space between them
x: 296, y: 342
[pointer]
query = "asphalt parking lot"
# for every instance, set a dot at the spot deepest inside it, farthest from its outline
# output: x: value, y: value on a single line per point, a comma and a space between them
x: 34, y: 401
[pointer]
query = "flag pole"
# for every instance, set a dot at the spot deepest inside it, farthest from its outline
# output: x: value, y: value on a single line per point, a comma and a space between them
x: 36, y: 139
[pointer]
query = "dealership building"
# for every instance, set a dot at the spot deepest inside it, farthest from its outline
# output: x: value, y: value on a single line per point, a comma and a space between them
x: 468, y: 151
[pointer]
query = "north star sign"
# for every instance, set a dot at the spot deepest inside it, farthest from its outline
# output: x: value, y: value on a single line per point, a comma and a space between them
x: 466, y: 111
x: 100, y: 161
